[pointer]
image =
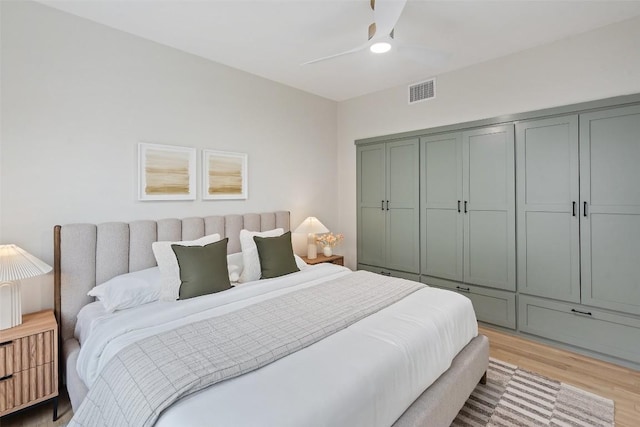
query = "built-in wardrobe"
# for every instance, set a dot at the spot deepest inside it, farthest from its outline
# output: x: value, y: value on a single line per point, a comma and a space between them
x: 534, y: 217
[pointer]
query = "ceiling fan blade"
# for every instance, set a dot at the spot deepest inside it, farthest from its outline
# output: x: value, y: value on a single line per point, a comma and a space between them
x: 386, y: 14
x: 348, y: 52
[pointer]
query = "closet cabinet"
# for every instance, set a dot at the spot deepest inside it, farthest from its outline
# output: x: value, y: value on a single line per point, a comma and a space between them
x: 579, y: 208
x: 388, y: 209
x: 579, y: 230
x: 610, y: 208
x: 468, y: 218
x: 548, y: 207
x: 468, y: 207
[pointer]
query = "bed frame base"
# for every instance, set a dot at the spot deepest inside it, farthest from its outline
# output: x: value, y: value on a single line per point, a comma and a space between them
x: 440, y: 403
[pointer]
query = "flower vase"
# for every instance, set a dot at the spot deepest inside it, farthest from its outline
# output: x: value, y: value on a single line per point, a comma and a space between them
x: 327, y: 251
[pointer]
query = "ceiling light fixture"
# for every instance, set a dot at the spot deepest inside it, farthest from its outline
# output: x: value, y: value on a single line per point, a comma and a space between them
x: 380, y: 47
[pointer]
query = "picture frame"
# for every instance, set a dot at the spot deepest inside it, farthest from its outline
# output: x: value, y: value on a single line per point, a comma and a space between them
x: 224, y: 175
x: 166, y: 172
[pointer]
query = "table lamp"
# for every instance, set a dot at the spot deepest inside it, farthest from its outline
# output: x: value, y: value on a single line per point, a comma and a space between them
x: 15, y: 264
x: 311, y: 226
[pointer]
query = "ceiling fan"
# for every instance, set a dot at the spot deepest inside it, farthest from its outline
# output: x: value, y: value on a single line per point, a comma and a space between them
x: 381, y: 35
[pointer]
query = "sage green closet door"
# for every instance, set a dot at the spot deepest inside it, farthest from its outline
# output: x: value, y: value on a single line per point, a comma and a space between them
x: 547, y: 209
x: 441, y: 206
x: 610, y: 212
x: 371, y: 197
x: 489, y: 192
x: 403, y: 222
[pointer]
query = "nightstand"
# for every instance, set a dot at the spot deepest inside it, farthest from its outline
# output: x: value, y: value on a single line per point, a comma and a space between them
x: 29, y: 363
x: 333, y: 259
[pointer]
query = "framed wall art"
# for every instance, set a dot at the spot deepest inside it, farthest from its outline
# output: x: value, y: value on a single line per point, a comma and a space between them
x: 166, y: 172
x: 224, y: 175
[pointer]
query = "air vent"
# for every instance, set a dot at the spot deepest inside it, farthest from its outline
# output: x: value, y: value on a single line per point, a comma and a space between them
x: 422, y: 91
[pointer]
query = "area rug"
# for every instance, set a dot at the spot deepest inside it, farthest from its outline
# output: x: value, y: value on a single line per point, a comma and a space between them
x: 515, y: 397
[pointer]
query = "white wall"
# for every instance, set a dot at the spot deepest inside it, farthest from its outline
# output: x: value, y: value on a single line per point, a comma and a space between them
x: 595, y: 65
x: 77, y: 97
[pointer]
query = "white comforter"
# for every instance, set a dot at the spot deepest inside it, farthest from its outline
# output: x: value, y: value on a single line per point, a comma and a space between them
x: 364, y: 375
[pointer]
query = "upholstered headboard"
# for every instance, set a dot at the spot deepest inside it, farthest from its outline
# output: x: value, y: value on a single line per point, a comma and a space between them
x: 86, y: 255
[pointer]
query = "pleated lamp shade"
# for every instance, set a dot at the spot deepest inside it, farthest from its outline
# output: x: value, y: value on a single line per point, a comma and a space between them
x: 311, y: 225
x: 15, y: 264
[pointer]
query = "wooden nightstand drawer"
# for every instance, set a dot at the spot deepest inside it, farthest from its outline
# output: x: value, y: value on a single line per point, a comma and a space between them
x: 27, y: 387
x: 23, y: 353
x: 6, y: 358
x: 29, y: 363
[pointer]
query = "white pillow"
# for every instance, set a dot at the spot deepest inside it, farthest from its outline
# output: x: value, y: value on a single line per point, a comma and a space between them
x: 234, y: 265
x: 129, y: 290
x: 168, y: 263
x: 250, y: 258
x: 300, y: 262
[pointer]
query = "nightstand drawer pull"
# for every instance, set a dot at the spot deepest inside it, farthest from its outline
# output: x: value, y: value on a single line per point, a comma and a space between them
x: 6, y: 343
x: 8, y: 377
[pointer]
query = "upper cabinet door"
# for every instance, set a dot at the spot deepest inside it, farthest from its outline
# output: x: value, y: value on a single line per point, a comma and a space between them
x: 547, y: 208
x: 371, y: 195
x: 441, y: 206
x: 489, y: 195
x: 402, y: 206
x: 610, y: 208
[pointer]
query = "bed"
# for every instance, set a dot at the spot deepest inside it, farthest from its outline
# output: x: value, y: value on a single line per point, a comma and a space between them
x: 373, y: 372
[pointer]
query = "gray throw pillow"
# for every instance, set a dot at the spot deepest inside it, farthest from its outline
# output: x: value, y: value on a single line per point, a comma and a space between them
x: 276, y: 255
x: 203, y: 269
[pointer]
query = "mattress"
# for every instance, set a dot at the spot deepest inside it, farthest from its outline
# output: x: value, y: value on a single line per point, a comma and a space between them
x: 364, y: 375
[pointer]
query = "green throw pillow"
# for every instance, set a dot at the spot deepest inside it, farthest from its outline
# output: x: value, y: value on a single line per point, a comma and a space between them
x: 276, y: 255
x: 203, y: 269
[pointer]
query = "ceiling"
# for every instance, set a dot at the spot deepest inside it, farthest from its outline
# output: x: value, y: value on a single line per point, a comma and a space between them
x: 272, y: 38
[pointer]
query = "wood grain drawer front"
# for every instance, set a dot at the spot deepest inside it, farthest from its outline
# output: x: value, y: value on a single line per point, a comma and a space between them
x: 491, y: 305
x: 6, y: 358
x: 26, y: 353
x: 586, y: 327
x: 25, y: 387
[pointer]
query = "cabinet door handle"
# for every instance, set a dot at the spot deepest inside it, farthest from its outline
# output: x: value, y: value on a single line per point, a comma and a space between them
x: 381, y: 205
x: 584, y: 209
x: 460, y: 288
x: 458, y: 206
x: 465, y: 207
x: 387, y: 205
x: 574, y: 208
x: 586, y: 313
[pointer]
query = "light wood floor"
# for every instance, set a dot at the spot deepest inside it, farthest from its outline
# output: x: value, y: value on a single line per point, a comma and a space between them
x: 620, y: 384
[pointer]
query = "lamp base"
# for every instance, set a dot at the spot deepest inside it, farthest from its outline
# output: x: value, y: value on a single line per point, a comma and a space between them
x: 10, y: 305
x: 312, y: 246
